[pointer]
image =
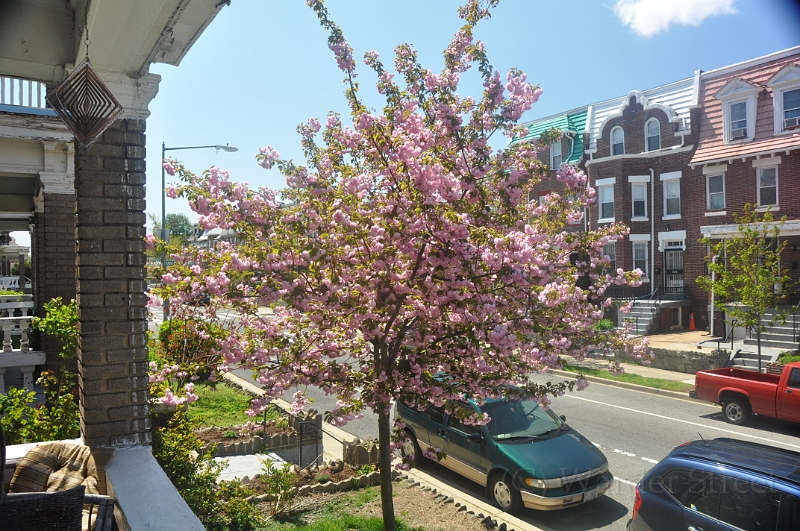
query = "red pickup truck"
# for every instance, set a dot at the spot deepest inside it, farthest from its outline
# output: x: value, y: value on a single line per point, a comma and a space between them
x: 743, y: 392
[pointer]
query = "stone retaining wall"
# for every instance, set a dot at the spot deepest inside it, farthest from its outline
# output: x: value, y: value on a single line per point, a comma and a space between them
x: 688, y: 361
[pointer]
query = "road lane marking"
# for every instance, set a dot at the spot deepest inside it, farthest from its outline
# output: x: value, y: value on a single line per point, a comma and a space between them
x: 624, y: 453
x: 654, y: 461
x: 771, y: 441
x: 631, y: 483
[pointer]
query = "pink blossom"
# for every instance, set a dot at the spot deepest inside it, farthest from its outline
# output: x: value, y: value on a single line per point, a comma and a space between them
x: 169, y: 168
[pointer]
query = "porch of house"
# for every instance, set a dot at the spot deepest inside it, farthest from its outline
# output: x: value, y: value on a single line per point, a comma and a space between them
x: 84, y: 209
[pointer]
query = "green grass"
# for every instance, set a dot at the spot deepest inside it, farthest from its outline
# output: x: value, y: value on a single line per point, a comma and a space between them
x: 354, y: 500
x: 224, y: 406
x: 338, y: 523
x: 657, y: 383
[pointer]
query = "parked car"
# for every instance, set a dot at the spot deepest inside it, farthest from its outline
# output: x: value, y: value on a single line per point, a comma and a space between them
x: 203, y: 299
x: 721, y: 484
x: 526, y: 456
x: 742, y: 392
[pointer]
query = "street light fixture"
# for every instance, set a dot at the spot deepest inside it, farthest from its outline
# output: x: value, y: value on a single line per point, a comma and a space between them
x: 164, y: 231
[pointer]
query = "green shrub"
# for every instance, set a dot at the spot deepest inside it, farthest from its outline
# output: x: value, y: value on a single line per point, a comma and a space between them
x: 220, y: 506
x: 280, y: 482
x: 24, y: 420
x: 11, y: 292
x: 604, y: 324
x: 788, y: 356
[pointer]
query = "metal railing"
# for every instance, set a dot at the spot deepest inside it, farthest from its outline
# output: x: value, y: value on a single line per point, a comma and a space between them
x: 795, y: 330
x: 725, y: 340
x: 306, y: 430
x: 655, y: 297
x: 22, y: 92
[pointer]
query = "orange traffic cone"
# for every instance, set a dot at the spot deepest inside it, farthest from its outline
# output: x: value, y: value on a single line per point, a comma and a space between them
x: 691, y: 322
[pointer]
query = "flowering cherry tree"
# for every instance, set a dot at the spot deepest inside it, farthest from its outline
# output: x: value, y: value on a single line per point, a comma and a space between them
x: 405, y: 248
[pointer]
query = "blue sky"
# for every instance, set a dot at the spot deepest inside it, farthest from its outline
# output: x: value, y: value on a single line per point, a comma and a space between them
x: 263, y: 66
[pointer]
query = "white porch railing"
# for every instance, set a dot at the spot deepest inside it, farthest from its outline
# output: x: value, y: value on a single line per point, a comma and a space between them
x: 7, y: 283
x: 17, y: 326
x: 22, y: 92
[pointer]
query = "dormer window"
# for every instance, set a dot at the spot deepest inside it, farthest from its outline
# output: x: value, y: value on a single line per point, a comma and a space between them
x: 738, y: 120
x: 785, y: 87
x: 791, y: 108
x: 652, y: 130
x: 738, y: 110
x: 617, y: 141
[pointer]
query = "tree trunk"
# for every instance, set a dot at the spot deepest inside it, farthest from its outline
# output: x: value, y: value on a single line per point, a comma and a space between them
x: 758, y: 342
x: 385, y: 461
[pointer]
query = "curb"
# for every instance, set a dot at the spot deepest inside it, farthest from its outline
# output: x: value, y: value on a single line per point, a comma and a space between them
x: 630, y: 386
x: 478, y: 508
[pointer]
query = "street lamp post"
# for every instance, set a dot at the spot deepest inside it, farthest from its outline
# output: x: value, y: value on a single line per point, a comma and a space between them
x: 164, y: 231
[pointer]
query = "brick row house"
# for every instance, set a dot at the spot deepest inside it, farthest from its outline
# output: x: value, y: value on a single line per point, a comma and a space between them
x: 674, y: 163
x: 748, y: 149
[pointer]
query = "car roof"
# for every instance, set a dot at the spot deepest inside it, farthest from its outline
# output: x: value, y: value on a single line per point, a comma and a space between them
x: 745, y: 455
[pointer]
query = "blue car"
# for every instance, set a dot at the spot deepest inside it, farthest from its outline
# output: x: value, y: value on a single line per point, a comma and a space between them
x: 526, y: 456
x: 720, y: 485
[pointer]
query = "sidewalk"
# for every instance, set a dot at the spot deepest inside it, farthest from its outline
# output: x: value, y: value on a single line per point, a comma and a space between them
x: 693, y: 341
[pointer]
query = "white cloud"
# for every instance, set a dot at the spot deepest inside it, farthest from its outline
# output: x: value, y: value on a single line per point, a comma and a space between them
x: 648, y: 17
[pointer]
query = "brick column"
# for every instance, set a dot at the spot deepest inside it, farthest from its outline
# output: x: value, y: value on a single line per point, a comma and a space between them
x: 112, y: 318
x: 53, y: 240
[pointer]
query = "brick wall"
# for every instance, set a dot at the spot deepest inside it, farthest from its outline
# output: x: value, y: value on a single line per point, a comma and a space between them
x: 53, y: 260
x: 112, y: 318
x: 740, y: 188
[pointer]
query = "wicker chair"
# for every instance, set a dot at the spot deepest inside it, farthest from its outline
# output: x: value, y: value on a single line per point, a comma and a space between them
x: 60, y: 510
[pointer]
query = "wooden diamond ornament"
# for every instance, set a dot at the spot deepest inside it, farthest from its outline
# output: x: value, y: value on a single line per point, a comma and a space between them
x: 85, y: 103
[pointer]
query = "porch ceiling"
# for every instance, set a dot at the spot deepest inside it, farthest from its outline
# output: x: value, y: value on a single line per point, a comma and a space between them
x: 39, y: 39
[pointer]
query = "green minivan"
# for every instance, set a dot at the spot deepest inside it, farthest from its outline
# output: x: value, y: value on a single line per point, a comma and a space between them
x: 525, y: 456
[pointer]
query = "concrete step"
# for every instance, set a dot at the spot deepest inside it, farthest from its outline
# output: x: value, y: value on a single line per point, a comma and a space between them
x: 785, y: 345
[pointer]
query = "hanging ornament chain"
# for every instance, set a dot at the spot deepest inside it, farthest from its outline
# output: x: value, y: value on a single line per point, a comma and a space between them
x: 87, y: 42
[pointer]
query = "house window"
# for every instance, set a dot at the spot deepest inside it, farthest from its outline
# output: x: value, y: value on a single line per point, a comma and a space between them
x: 785, y: 87
x: 610, y: 250
x: 767, y: 187
x: 639, y: 193
x: 537, y: 197
x: 555, y: 155
x: 672, y: 194
x: 640, y: 257
x: 672, y: 198
x: 606, y: 200
x: 738, y: 110
x: 791, y: 106
x: 653, y: 134
x: 738, y: 117
x: 617, y: 141
x: 715, y: 186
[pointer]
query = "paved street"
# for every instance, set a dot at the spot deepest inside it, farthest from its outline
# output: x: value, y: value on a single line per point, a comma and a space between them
x: 635, y: 430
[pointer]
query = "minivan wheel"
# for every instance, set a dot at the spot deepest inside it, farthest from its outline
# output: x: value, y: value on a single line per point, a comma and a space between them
x: 411, y: 449
x: 735, y: 411
x: 504, y: 494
